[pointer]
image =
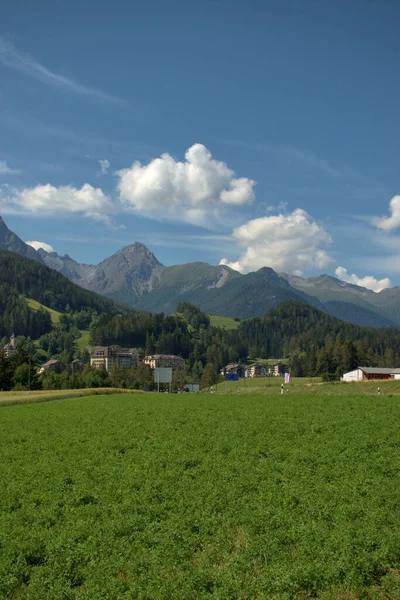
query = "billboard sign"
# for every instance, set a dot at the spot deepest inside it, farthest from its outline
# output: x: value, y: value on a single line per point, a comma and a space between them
x: 162, y: 375
x: 232, y: 377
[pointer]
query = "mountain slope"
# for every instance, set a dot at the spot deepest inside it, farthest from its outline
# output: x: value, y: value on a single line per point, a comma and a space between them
x: 353, y: 313
x: 67, y: 266
x: 246, y: 296
x: 351, y: 302
x: 11, y: 242
x: 133, y: 276
x: 34, y: 280
x: 126, y: 275
x: 192, y: 282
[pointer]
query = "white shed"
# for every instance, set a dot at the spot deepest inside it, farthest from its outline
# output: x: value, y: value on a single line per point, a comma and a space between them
x: 372, y: 373
x: 356, y: 375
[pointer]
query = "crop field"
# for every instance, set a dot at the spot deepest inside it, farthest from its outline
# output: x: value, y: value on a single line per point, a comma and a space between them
x: 198, y: 496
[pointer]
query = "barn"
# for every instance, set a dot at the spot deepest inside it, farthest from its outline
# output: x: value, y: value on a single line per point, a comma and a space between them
x: 371, y: 373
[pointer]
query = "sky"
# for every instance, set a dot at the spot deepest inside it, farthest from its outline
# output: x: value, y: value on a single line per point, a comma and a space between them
x: 258, y: 133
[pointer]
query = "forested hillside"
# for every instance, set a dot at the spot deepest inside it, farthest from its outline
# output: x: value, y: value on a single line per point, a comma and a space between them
x: 315, y: 342
x: 23, y: 280
x: 35, y: 280
x: 318, y: 343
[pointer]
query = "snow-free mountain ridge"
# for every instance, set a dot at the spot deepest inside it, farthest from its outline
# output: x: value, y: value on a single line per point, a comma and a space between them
x: 134, y: 276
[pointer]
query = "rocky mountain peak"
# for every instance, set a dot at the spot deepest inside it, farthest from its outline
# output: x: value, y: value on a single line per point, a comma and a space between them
x: 11, y: 242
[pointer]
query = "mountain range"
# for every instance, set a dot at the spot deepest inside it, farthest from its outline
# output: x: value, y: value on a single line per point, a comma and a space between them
x: 135, y: 277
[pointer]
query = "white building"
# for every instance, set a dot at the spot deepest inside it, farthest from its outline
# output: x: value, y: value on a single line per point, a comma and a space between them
x: 256, y: 370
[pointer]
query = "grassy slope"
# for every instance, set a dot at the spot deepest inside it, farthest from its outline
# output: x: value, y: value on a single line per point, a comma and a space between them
x: 224, y: 322
x: 83, y: 341
x: 200, y: 497
x: 34, y: 305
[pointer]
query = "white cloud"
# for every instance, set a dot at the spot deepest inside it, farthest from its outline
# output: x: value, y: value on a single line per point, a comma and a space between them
x: 392, y: 222
x: 194, y: 190
x: 104, y: 166
x: 42, y: 245
x: 286, y: 242
x: 6, y: 170
x: 370, y: 282
x: 47, y: 199
x: 12, y: 58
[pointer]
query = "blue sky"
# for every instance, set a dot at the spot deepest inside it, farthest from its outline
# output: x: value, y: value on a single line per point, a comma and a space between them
x: 266, y: 132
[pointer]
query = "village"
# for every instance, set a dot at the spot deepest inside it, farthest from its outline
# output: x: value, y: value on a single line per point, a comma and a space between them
x: 163, y: 366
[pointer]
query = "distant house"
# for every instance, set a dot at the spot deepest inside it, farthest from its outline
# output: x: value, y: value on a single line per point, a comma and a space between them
x: 11, y: 347
x: 278, y: 369
x: 164, y: 361
x: 52, y: 365
x: 105, y: 357
x: 233, y: 369
x: 256, y: 370
x: 371, y: 374
x: 76, y: 365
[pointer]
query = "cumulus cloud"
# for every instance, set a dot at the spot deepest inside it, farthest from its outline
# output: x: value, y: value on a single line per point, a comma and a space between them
x: 40, y: 245
x: 48, y: 199
x: 6, y: 170
x: 286, y: 242
x: 104, y: 166
x: 193, y: 190
x: 370, y: 282
x: 392, y: 222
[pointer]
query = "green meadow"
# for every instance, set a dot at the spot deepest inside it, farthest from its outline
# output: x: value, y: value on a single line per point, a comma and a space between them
x: 192, y: 496
x: 34, y: 305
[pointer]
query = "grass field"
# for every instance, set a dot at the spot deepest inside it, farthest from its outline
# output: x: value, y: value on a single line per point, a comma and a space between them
x: 304, y: 385
x: 83, y: 341
x: 34, y: 305
x: 200, y: 496
x: 224, y: 322
x: 7, y: 398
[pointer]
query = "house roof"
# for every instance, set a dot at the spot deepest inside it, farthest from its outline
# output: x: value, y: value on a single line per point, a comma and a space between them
x: 50, y: 363
x: 110, y: 351
x: 379, y: 370
x: 157, y: 356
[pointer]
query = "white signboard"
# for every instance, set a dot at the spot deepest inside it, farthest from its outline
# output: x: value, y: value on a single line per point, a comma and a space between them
x: 162, y: 375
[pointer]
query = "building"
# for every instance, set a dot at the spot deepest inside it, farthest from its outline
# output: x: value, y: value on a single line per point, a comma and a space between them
x: 76, y: 365
x: 105, y: 357
x: 11, y: 347
x: 278, y: 369
x: 255, y: 370
x: 164, y: 361
x: 233, y: 369
x: 52, y: 365
x: 371, y: 374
